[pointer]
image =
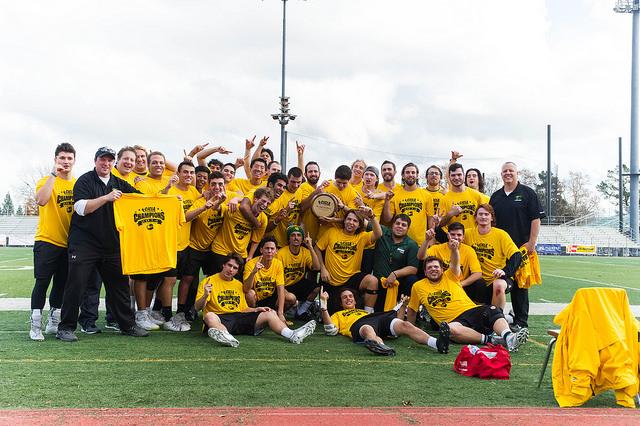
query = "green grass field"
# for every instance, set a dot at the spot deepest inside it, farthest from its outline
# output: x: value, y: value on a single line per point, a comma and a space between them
x: 189, y: 370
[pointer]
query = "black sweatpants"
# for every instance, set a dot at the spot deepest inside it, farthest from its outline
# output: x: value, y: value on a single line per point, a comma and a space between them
x: 49, y: 261
x: 83, y: 260
x: 520, y: 302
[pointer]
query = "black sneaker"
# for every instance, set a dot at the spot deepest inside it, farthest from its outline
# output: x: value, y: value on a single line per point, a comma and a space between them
x: 191, y: 315
x: 379, y: 348
x: 90, y: 329
x: 112, y: 325
x: 442, y: 342
x: 66, y: 336
x: 135, y: 331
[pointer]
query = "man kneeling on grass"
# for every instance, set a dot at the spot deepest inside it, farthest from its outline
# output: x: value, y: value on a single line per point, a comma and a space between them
x: 225, y: 309
x: 370, y: 328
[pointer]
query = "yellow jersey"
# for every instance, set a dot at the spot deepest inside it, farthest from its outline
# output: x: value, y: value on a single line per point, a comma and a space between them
x: 226, y: 297
x: 468, y: 259
x: 436, y: 196
x: 383, y: 188
x: 148, y: 228
x: 55, y: 216
x: 280, y: 231
x: 445, y: 300
x: 346, y: 318
x: 189, y: 196
x: 151, y: 186
x: 416, y: 204
x: 309, y: 220
x: 236, y: 233
x: 243, y: 186
x: 130, y: 178
x: 266, y: 279
x: 205, y: 226
x: 468, y: 200
x: 343, y: 253
x: 295, y: 265
x: 374, y: 204
x: 493, y: 250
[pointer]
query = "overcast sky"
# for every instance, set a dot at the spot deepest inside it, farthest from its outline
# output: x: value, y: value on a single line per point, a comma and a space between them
x: 405, y: 80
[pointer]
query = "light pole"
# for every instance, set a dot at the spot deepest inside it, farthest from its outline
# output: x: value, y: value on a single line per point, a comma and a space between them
x: 283, y: 116
x: 633, y: 7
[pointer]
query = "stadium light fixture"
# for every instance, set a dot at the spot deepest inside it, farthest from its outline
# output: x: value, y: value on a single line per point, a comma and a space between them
x: 633, y: 7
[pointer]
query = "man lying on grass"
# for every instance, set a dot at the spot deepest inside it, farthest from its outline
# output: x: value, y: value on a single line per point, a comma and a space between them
x: 446, y: 301
x: 369, y: 329
x: 226, y: 311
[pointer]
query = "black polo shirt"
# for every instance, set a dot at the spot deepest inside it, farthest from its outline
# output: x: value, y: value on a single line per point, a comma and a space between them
x: 514, y: 212
x: 96, y: 229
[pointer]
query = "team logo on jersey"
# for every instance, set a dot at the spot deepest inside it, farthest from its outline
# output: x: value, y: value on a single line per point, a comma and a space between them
x: 468, y: 209
x: 348, y: 312
x: 518, y: 198
x: 241, y: 231
x: 409, y: 206
x: 439, y: 298
x: 293, y: 271
x: 228, y: 298
x: 484, y: 251
x: 214, y: 221
x: 265, y: 287
x: 149, y: 217
x: 64, y: 200
x: 344, y: 249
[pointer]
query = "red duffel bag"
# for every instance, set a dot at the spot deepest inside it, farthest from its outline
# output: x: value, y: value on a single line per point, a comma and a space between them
x: 487, y: 362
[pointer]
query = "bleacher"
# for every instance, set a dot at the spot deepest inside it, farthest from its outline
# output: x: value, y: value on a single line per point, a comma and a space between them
x: 599, y: 236
x: 17, y: 230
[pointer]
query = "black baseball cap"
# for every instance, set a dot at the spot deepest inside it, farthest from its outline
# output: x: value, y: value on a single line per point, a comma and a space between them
x: 101, y: 152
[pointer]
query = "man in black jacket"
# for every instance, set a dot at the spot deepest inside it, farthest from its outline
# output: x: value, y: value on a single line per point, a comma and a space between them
x: 94, y: 244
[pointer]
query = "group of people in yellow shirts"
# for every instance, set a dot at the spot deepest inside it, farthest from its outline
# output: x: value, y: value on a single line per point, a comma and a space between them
x: 268, y: 258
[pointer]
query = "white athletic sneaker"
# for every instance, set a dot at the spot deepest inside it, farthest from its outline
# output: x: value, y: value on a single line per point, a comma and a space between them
x: 143, y: 321
x: 299, y: 334
x: 177, y: 323
x: 36, y: 328
x: 223, y: 337
x: 53, y: 321
x: 156, y: 317
x: 515, y: 340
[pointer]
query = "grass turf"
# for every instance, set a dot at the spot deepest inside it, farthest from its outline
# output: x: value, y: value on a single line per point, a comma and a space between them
x: 189, y: 370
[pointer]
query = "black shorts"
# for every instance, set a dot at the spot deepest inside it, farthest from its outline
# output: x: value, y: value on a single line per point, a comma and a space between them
x: 181, y: 265
x: 302, y: 288
x: 269, y: 302
x: 480, y: 292
x: 380, y: 321
x: 47, y: 260
x: 197, y: 260
x: 153, y: 280
x: 241, y: 322
x: 481, y: 318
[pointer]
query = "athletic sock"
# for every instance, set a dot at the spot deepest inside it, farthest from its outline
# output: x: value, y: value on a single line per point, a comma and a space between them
x: 182, y: 307
x: 431, y: 342
x: 369, y: 309
x: 286, y: 333
x: 166, y: 312
x: 505, y: 332
x: 484, y: 338
x: 132, y: 302
x: 36, y: 313
x: 303, y: 308
x: 157, y: 304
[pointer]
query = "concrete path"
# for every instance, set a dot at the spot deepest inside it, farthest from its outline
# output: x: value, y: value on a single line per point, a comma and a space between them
x: 23, y: 304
